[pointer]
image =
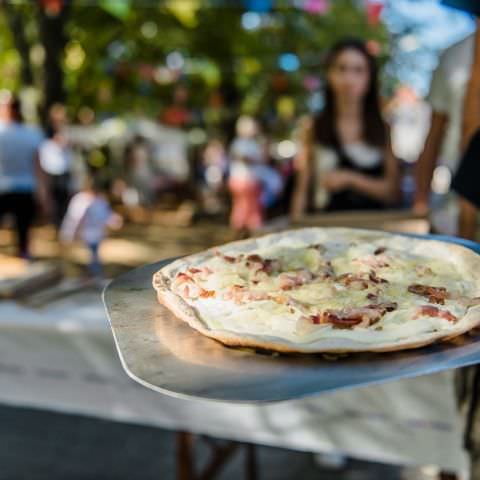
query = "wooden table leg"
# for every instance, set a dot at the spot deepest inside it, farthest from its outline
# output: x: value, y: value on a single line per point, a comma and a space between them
x: 185, y: 457
x: 221, y: 455
x: 250, y: 462
x: 448, y: 476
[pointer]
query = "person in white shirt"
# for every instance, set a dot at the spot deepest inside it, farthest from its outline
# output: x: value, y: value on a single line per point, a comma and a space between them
x: 55, y: 159
x: 87, y: 219
x: 443, y: 143
x: 21, y: 179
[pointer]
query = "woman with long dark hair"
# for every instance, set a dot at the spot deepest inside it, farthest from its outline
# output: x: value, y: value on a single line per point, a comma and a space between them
x: 345, y: 160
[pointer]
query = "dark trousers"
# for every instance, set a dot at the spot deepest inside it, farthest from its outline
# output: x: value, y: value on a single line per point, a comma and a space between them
x: 95, y: 267
x: 61, y: 196
x: 22, y: 207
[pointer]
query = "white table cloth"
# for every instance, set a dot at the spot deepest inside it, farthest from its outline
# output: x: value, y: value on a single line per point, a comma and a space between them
x: 61, y: 357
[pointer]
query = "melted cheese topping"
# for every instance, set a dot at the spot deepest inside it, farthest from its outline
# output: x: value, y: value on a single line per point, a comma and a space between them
x: 288, y: 321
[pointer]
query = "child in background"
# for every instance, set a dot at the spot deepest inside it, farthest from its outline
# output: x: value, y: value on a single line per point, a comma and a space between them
x: 254, y: 185
x: 87, y: 218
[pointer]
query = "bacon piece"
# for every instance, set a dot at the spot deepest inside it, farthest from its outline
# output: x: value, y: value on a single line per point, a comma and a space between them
x: 240, y: 294
x: 235, y: 288
x: 328, y: 271
x: 287, y: 281
x: 187, y: 287
x: 355, y: 280
x: 235, y: 293
x: 191, y: 290
x: 372, y: 296
x: 434, y: 294
x: 352, y: 316
x: 373, y: 261
x: 388, y: 306
x: 372, y: 276
x: 360, y: 281
x: 256, y: 262
x: 268, y: 266
x: 227, y: 258
x: 255, y: 296
x: 431, y: 311
x: 271, y: 265
x: 380, y: 250
x: 349, y: 317
x: 383, y: 307
x: 201, y: 274
x: 280, y: 299
x: 183, y: 277
x: 207, y: 293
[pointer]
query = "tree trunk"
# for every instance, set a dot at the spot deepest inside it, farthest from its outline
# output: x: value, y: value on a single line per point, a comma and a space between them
x: 53, y: 39
x: 17, y: 28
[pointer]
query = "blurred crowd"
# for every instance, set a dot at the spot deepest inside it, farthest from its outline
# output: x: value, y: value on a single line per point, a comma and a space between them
x: 344, y: 157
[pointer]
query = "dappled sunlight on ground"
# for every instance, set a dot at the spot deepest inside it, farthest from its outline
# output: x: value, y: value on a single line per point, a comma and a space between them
x: 133, y: 245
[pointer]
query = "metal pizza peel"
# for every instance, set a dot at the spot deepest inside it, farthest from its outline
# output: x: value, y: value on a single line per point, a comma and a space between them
x: 164, y: 354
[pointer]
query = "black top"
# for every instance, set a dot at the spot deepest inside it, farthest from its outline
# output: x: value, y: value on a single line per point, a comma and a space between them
x: 466, y: 181
x: 351, y: 199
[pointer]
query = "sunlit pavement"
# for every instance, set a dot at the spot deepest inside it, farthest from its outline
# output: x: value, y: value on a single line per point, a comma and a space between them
x: 132, y: 246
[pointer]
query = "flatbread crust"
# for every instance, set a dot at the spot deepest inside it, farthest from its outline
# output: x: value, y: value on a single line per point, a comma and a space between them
x: 465, y: 259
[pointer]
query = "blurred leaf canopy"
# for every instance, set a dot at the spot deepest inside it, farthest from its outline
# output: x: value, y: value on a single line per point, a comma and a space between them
x: 116, y: 53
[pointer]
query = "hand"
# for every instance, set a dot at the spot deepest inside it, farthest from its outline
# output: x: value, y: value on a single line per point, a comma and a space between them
x: 115, y: 222
x: 339, y: 179
x: 420, y: 207
x: 295, y: 218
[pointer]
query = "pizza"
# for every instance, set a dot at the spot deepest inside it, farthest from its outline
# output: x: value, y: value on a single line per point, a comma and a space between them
x: 326, y: 290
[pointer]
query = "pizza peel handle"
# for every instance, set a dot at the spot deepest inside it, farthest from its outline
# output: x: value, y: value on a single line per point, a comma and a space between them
x: 168, y: 356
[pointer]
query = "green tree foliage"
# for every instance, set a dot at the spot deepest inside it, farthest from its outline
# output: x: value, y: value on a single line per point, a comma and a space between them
x: 114, y: 52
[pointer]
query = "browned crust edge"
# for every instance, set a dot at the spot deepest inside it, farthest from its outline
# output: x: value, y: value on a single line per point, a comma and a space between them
x: 188, y: 314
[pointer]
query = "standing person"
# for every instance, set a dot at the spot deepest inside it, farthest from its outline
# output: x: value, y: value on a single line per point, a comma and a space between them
x: 56, y: 159
x: 444, y: 143
x: 466, y: 185
x: 253, y: 183
x: 345, y: 159
x: 88, y: 216
x: 139, y: 171
x: 21, y: 178
x: 213, y: 172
